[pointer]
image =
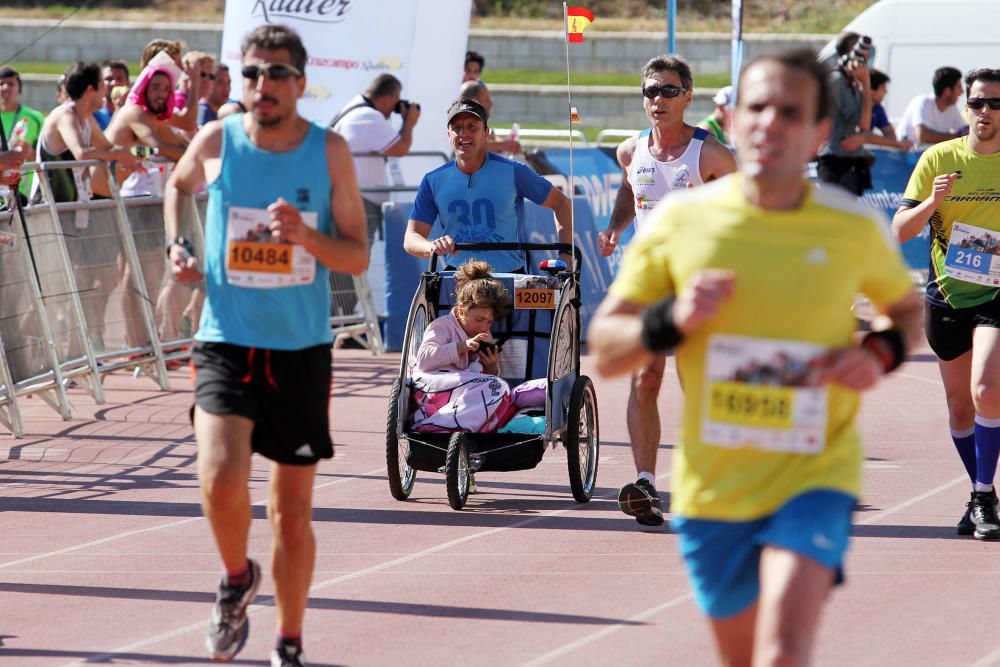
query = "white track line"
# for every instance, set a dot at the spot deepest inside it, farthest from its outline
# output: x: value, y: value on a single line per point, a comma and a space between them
x: 878, y: 516
x: 601, y: 634
x: 149, y: 641
x: 991, y: 660
x: 162, y: 526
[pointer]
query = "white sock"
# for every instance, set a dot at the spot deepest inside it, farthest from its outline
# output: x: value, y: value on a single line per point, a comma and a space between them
x: 651, y: 478
x: 978, y: 488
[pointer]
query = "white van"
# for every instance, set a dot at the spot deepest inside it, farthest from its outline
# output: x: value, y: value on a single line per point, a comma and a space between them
x: 912, y: 38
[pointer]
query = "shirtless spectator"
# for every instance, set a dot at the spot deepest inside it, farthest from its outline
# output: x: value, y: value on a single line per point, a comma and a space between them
x: 216, y: 95
x: 115, y: 73
x: 185, y: 115
x: 70, y: 132
x: 143, y: 122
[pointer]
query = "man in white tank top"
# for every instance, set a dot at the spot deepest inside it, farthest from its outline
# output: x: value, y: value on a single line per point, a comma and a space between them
x: 668, y: 156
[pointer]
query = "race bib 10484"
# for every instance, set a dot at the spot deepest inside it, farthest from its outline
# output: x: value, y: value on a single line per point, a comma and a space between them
x: 756, y: 395
x: 255, y: 258
x: 973, y: 255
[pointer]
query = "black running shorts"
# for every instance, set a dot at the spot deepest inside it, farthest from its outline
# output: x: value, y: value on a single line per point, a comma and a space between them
x: 949, y: 330
x: 285, y: 393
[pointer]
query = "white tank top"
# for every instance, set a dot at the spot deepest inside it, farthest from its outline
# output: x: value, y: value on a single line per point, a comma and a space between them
x: 652, y: 179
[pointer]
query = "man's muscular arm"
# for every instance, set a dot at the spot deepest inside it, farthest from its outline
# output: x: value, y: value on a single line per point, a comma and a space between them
x: 624, y: 209
x: 716, y: 160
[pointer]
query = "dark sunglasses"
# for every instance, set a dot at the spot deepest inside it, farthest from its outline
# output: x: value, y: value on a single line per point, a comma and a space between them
x: 206, y: 75
x: 276, y: 71
x: 978, y: 103
x: 668, y: 91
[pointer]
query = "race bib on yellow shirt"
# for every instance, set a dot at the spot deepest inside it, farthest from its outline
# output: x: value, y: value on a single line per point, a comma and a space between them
x: 756, y: 396
x: 973, y: 255
x: 255, y: 258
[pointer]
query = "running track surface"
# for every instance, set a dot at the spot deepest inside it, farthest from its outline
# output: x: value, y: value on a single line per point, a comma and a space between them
x: 105, y: 558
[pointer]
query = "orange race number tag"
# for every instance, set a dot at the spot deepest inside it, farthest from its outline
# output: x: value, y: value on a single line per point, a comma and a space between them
x: 260, y: 257
x: 534, y: 298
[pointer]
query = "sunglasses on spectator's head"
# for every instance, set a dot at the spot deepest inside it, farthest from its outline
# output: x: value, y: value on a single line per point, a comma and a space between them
x: 276, y: 71
x: 668, y: 91
x: 978, y: 103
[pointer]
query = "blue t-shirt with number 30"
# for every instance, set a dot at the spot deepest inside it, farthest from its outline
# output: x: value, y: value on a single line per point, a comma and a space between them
x: 486, y: 206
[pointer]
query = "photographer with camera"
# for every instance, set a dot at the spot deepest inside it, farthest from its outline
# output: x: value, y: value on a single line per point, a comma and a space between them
x: 842, y: 158
x: 365, y: 125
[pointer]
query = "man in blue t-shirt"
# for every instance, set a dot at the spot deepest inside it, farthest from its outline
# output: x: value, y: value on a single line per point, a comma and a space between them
x: 479, y: 198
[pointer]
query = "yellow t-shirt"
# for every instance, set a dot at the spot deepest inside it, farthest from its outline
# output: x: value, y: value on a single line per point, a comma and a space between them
x: 974, y: 200
x: 797, y: 275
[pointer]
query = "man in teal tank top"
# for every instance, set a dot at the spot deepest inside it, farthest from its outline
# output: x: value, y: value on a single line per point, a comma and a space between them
x: 283, y: 209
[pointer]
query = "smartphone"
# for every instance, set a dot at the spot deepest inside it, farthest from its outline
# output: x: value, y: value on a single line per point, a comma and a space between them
x: 486, y: 346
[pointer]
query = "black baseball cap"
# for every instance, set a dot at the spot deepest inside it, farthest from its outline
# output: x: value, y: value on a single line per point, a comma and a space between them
x: 468, y: 105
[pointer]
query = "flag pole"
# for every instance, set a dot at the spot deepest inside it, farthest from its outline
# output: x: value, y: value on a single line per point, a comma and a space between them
x: 569, y: 120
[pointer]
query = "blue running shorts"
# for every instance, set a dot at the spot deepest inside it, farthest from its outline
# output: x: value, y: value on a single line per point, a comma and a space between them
x: 723, y: 557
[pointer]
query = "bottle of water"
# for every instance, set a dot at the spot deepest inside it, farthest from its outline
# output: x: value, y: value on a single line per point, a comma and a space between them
x: 515, y: 134
x: 17, y: 134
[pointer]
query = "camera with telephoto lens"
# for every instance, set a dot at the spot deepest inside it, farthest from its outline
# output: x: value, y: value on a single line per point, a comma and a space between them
x: 403, y: 106
x: 861, y: 51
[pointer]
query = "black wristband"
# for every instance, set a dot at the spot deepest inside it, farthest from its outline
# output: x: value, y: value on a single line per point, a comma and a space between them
x: 659, y: 333
x: 890, y: 340
x: 182, y: 242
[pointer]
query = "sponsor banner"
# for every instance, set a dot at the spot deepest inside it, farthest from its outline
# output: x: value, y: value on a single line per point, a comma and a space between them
x: 350, y: 42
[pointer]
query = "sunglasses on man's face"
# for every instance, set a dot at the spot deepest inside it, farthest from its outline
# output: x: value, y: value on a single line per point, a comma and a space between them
x: 276, y: 71
x: 667, y: 91
x: 206, y: 75
x: 977, y: 103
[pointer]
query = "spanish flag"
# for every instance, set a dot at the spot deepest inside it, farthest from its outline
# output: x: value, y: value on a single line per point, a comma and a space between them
x: 577, y: 20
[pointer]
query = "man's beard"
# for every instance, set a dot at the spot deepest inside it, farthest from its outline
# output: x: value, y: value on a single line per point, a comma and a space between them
x: 157, y: 109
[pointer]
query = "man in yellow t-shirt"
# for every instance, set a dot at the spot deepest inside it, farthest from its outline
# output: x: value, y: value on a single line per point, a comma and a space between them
x: 956, y: 188
x: 752, y: 279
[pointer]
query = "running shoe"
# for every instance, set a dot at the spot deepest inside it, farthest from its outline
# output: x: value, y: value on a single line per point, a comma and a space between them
x: 229, y: 626
x: 966, y: 526
x: 640, y: 499
x: 983, y: 512
x: 287, y: 655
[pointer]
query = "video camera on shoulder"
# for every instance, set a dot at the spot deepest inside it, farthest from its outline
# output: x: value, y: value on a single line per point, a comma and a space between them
x: 403, y: 107
x: 862, y: 51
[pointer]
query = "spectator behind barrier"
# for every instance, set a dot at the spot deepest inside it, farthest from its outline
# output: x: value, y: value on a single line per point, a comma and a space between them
x: 200, y: 65
x: 718, y: 121
x: 185, y: 116
x: 143, y: 121
x: 886, y: 135
x: 478, y: 91
x: 364, y: 123
x: 216, y: 95
x: 70, y: 132
x: 12, y: 112
x: 61, y: 94
x: 931, y: 119
x: 474, y: 65
x: 842, y: 158
x: 115, y: 74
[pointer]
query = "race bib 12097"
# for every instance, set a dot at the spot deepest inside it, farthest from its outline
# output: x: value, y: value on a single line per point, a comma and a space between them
x: 255, y: 258
x: 756, y: 395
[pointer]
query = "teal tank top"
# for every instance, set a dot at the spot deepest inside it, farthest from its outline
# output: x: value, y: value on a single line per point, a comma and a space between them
x: 281, y: 318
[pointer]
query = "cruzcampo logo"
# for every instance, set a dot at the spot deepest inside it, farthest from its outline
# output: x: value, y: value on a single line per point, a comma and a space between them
x: 314, y: 11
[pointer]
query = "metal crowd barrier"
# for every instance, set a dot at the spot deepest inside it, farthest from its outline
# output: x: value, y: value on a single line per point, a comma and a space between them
x: 526, y: 135
x: 617, y: 135
x: 85, y: 291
